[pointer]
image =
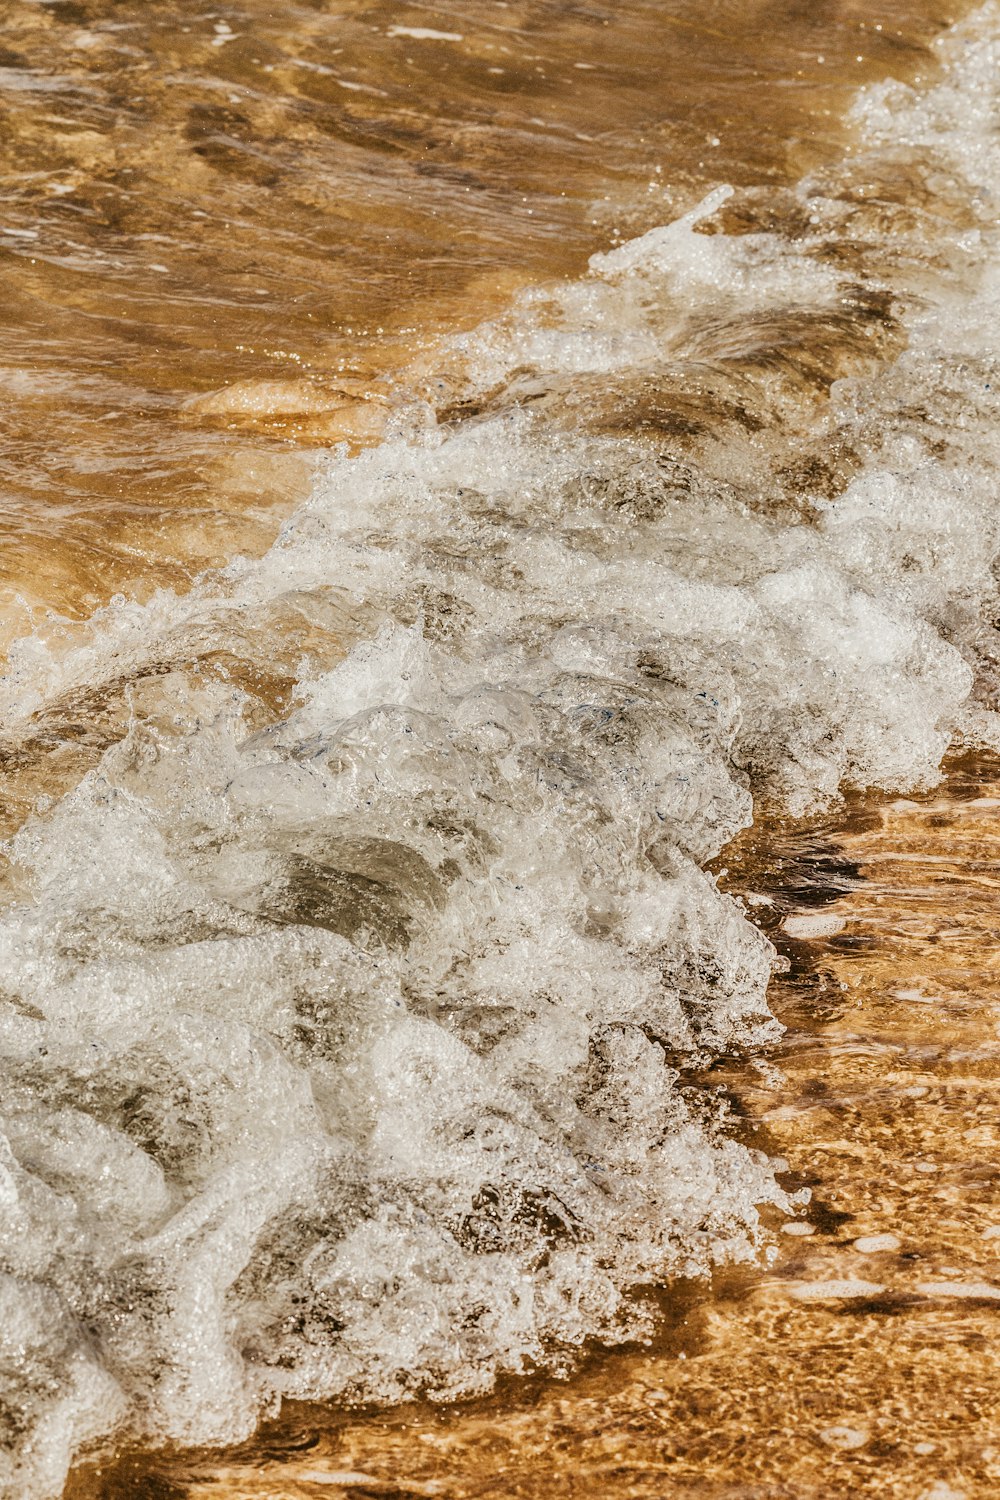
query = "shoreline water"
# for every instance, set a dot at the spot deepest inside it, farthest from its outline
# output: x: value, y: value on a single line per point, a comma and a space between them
x: 381, y: 896
x: 859, y: 1357
x: 226, y: 263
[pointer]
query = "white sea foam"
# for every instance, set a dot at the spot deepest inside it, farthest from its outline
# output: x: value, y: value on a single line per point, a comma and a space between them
x: 347, y: 1056
x: 813, y: 924
x: 849, y: 1289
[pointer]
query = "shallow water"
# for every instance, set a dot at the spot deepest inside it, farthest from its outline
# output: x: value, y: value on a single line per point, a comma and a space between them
x: 861, y: 1357
x: 287, y: 202
x: 371, y: 1012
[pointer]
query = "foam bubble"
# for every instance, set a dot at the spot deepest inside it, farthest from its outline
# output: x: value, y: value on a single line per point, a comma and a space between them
x: 847, y: 1438
x: 813, y: 924
x: 876, y: 1244
x: 344, y: 1050
x: 979, y: 1291
x: 846, y: 1289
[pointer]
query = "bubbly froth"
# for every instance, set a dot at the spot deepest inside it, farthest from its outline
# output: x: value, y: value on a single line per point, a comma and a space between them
x: 352, y: 992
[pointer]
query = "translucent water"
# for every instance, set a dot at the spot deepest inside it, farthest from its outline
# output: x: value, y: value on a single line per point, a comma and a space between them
x: 349, y: 995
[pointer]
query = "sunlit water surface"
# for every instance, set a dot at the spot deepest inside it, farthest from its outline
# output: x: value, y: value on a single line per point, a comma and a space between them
x: 373, y: 1024
x: 288, y: 200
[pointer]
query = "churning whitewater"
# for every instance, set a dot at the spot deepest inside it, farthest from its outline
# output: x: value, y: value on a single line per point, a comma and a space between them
x: 346, y: 1053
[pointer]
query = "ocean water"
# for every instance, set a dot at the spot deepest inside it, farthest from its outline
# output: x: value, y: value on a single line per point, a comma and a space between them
x: 292, y: 200
x: 358, y: 948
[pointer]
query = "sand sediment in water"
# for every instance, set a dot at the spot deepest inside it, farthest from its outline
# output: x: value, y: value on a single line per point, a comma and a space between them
x: 356, y: 992
x: 862, y: 1359
x: 282, y: 205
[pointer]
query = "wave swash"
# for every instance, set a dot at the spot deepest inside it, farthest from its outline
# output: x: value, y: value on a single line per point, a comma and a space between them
x: 344, y: 1051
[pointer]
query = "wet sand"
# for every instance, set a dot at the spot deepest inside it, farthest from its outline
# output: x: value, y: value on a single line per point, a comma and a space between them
x: 861, y: 1359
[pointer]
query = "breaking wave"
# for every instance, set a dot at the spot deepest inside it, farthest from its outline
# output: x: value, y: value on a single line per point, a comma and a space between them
x: 351, y: 993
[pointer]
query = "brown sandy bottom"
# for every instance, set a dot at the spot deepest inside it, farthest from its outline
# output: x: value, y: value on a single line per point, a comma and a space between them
x: 225, y: 230
x: 861, y: 1358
